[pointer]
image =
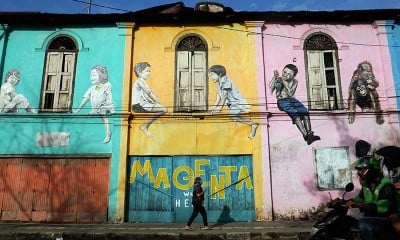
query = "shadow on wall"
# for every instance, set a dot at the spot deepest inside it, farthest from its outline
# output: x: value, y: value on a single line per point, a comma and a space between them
x: 224, y: 217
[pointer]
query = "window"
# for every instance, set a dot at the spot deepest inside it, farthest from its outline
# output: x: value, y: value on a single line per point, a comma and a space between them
x: 59, y: 75
x: 324, y: 89
x: 332, y: 167
x: 191, y: 75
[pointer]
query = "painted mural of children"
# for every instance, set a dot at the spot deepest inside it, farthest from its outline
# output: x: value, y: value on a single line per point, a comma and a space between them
x: 285, y: 88
x: 100, y: 97
x: 144, y: 99
x: 10, y: 100
x: 229, y: 94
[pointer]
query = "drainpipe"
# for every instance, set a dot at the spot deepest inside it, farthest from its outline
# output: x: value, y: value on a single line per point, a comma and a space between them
x: 263, y: 27
x: 4, y: 36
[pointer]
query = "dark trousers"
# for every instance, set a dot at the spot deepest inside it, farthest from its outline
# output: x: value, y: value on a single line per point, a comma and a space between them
x: 372, y: 227
x: 196, y: 211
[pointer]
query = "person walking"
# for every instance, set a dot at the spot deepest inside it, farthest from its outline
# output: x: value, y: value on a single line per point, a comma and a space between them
x: 198, y: 204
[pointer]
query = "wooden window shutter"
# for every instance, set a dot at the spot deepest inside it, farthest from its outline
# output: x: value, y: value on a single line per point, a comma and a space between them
x: 51, y: 81
x: 183, y: 82
x: 315, y: 80
x: 66, y: 76
x: 191, y: 75
x: 199, y: 96
x: 322, y: 71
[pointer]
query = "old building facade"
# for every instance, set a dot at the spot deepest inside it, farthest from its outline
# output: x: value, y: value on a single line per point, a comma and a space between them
x: 56, y: 161
x: 80, y: 152
x: 331, y: 59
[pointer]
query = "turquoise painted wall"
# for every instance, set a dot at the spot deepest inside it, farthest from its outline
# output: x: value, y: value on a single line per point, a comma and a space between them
x: 25, y: 51
x: 394, y: 49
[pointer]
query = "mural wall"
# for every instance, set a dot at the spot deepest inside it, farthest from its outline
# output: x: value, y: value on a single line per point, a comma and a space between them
x: 164, y: 185
x: 190, y: 100
x: 59, y: 90
x: 346, y: 84
x: 261, y: 111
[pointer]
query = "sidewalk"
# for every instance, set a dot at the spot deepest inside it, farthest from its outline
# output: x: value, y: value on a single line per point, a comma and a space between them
x: 288, y: 230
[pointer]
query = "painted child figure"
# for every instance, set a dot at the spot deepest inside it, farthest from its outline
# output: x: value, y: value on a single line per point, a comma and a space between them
x: 285, y: 88
x: 144, y: 99
x: 10, y: 100
x: 100, y: 97
x: 229, y: 94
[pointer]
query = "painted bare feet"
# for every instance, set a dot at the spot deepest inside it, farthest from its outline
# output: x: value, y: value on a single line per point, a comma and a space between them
x: 31, y: 110
x: 107, y: 138
x: 146, y: 132
x: 253, y: 130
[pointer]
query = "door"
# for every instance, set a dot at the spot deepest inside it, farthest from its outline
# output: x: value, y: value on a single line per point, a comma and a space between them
x: 54, y: 189
x: 231, y: 192
x: 149, y: 190
x: 160, y: 188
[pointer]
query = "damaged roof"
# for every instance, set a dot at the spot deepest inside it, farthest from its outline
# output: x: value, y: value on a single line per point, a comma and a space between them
x: 178, y: 13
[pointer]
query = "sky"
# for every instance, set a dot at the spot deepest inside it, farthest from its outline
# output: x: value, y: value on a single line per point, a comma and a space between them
x: 121, y: 6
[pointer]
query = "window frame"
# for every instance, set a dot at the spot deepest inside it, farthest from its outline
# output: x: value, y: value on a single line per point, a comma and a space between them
x: 321, y: 95
x: 194, y: 46
x: 64, y: 49
x: 334, y: 164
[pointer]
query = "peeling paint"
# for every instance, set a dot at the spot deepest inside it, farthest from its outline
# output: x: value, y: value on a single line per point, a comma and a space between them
x: 312, y: 213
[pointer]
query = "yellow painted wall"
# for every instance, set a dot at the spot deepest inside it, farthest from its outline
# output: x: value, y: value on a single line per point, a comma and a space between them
x: 178, y: 134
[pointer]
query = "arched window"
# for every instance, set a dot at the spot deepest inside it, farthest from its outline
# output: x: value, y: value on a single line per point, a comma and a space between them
x: 59, y: 75
x: 191, y: 74
x: 324, y: 89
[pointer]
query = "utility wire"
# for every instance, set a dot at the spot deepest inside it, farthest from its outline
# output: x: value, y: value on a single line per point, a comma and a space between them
x: 253, y: 32
x: 270, y: 105
x: 299, y: 38
x: 102, y: 6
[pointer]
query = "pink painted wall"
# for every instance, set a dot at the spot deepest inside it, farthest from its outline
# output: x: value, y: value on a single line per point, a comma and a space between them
x: 291, y: 159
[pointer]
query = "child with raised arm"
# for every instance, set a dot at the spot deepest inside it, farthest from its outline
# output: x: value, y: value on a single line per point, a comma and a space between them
x: 285, y: 88
x: 228, y: 94
x: 144, y: 99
